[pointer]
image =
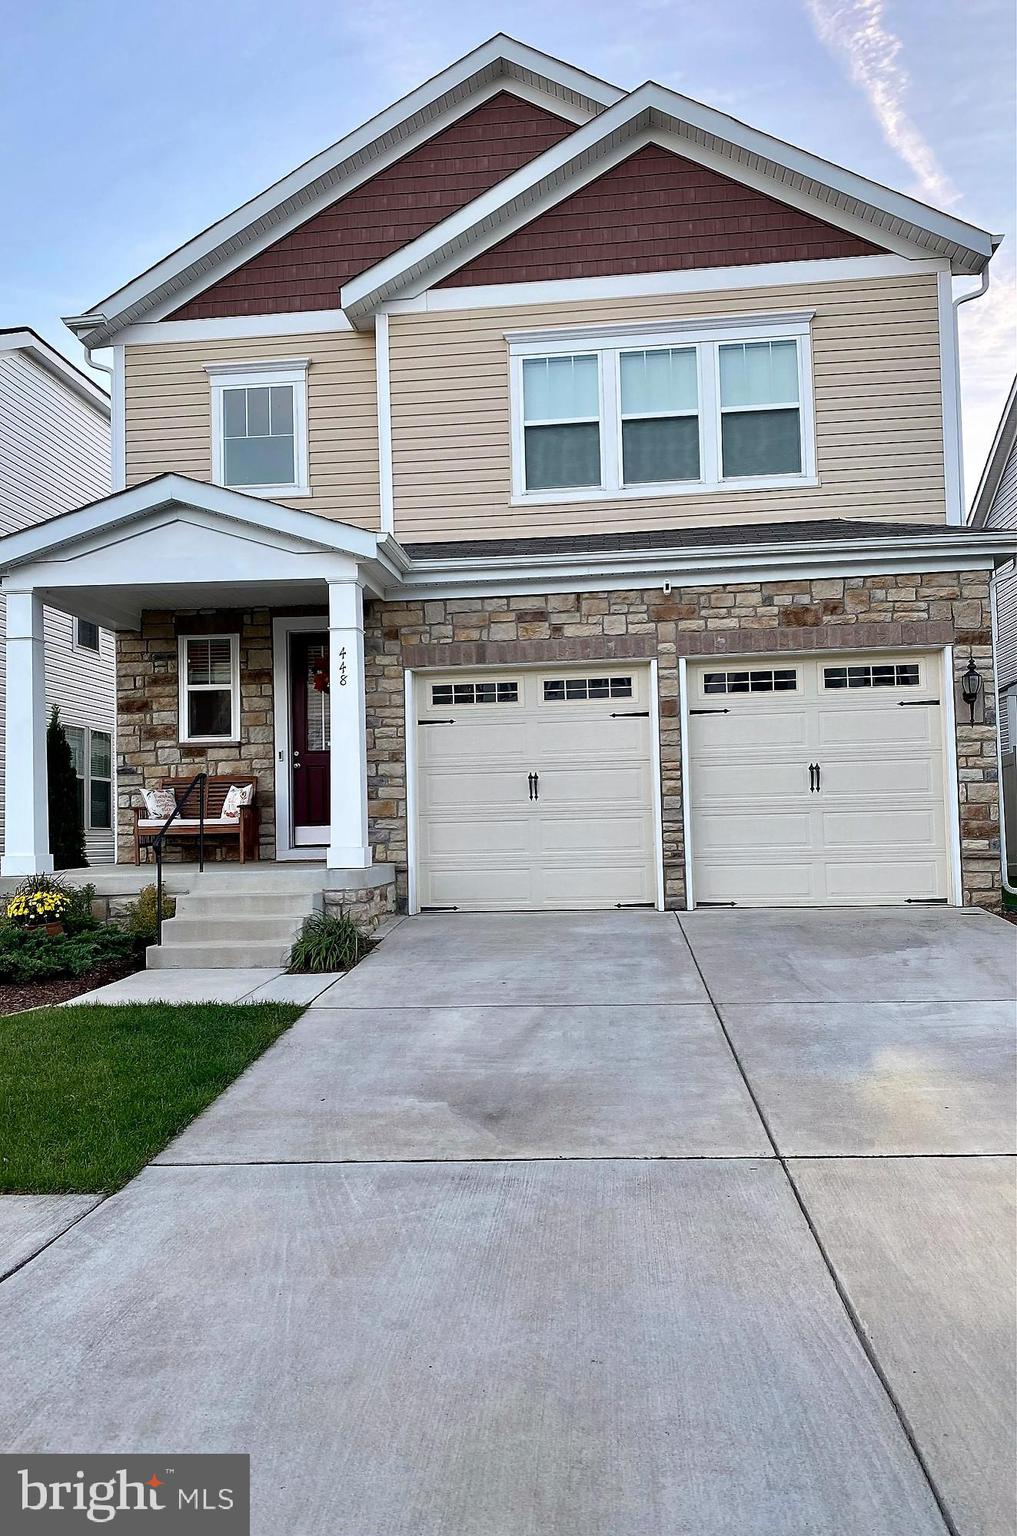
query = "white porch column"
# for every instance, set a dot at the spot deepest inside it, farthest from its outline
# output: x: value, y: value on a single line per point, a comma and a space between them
x: 26, y: 803
x: 348, y: 847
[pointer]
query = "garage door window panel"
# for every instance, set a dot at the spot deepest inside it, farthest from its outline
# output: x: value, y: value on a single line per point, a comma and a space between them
x: 755, y: 680
x: 562, y: 689
x: 474, y: 693
x: 876, y: 675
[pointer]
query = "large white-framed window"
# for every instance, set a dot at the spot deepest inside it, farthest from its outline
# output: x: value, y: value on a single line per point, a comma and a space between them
x: 259, y: 426
x: 92, y: 752
x: 670, y: 408
x: 209, y: 680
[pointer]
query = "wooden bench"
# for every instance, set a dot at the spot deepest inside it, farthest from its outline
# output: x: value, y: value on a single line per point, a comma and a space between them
x: 244, y: 832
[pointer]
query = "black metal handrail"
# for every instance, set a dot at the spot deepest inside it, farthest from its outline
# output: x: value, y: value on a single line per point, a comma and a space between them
x: 156, y: 842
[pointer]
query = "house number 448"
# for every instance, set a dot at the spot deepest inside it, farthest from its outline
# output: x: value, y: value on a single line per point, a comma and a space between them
x: 342, y: 667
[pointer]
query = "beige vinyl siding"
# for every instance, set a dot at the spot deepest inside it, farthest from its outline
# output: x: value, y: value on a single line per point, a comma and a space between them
x: 169, y: 415
x: 879, y: 419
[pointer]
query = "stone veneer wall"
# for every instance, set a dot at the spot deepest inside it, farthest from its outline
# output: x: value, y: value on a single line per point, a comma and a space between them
x: 366, y: 905
x: 865, y: 613
x: 148, y: 744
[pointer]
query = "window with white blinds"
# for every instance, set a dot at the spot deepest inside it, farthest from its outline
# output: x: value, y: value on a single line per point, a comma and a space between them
x: 672, y: 407
x: 259, y: 426
x: 209, y: 667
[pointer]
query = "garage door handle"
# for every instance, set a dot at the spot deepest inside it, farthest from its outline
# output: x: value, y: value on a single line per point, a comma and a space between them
x: 531, y: 779
x: 815, y: 774
x: 536, y: 786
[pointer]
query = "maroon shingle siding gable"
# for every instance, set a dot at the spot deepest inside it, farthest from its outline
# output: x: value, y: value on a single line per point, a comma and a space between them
x: 306, y: 268
x: 657, y: 212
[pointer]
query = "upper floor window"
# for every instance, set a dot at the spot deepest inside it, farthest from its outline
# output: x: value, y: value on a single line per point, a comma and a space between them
x: 673, y: 408
x: 259, y: 426
x: 86, y: 635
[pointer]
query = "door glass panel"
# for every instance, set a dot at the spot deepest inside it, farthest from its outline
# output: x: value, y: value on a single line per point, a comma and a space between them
x: 318, y: 714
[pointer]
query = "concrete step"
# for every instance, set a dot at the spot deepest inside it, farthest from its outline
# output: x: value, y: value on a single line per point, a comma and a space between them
x: 269, y: 955
x: 235, y: 879
x: 246, y: 903
x: 189, y: 929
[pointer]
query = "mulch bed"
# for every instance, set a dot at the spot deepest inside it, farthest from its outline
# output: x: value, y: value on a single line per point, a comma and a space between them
x: 15, y: 997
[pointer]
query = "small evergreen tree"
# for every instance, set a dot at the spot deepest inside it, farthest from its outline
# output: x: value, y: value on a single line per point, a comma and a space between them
x: 66, y: 829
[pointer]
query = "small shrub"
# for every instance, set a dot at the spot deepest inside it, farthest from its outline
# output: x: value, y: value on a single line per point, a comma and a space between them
x: 66, y: 828
x: 140, y: 918
x: 79, y: 917
x: 27, y: 956
x: 328, y: 943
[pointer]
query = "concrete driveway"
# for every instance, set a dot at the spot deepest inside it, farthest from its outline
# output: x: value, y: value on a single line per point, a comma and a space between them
x: 599, y: 1225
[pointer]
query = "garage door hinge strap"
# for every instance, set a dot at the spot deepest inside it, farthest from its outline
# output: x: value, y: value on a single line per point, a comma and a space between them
x: 926, y: 901
x: 709, y: 711
x: 436, y: 722
x: 630, y: 714
x: 915, y: 703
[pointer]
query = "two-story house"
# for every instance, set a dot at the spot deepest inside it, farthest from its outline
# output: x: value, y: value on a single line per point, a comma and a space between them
x: 54, y: 455
x: 551, y: 495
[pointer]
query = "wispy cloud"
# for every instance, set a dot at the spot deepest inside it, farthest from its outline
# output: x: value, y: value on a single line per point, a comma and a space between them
x: 858, y: 30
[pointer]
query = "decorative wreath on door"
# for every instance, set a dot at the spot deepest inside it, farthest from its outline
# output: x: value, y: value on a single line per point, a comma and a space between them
x: 319, y: 677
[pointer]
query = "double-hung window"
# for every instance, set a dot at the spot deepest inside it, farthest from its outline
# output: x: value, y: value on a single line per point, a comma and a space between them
x: 209, y: 673
x: 671, y: 408
x: 561, y: 421
x: 92, y: 752
x: 659, y: 415
x: 760, y: 408
x: 259, y: 427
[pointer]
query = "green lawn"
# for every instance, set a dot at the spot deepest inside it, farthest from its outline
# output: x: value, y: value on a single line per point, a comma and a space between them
x: 89, y: 1094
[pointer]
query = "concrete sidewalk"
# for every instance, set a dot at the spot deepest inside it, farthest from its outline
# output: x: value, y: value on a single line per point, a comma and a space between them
x: 596, y: 1223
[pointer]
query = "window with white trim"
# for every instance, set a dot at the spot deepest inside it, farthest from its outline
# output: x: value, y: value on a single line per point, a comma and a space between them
x: 209, y: 675
x: 92, y: 752
x: 259, y: 427
x: 670, y: 408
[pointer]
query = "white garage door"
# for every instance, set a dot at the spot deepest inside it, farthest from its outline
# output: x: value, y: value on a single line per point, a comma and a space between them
x: 535, y: 789
x: 818, y: 780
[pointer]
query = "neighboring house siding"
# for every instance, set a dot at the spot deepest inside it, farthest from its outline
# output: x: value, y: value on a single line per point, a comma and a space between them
x: 1003, y: 514
x: 54, y: 455
x: 169, y: 415
x: 657, y: 212
x: 879, y: 420
x: 305, y: 270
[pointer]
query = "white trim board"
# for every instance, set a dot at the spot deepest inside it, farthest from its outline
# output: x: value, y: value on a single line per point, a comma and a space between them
x: 952, y: 776
x: 770, y: 274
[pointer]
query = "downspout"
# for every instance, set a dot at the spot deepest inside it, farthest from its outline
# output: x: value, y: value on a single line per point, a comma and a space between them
x: 964, y: 298
x: 993, y: 595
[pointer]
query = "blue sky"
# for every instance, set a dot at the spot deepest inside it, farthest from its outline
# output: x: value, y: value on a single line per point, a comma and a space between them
x: 129, y: 127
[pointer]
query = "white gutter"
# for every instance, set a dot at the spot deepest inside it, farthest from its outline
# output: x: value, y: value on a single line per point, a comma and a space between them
x: 1004, y: 864
x: 958, y: 425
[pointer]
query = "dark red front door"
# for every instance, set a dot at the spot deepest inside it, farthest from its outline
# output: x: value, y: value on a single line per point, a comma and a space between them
x: 309, y: 696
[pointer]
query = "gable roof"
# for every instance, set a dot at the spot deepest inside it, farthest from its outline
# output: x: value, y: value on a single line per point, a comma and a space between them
x: 306, y: 268
x: 1003, y: 445
x: 654, y: 114
x: 499, y: 63
x: 23, y: 339
x: 609, y: 125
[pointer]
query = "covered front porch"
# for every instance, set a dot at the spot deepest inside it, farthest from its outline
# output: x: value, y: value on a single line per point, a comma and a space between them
x: 240, y: 630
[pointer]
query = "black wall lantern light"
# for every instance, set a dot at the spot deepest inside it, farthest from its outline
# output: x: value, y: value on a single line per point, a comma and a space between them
x: 971, y: 686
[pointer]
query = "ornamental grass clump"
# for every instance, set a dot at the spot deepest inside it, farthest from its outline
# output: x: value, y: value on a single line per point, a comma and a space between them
x: 328, y: 943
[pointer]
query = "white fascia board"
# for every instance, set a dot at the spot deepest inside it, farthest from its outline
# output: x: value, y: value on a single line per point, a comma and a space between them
x: 716, y: 566
x: 650, y: 114
x: 111, y: 513
x: 565, y: 290
x: 58, y: 367
x: 340, y: 168
x: 233, y: 328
